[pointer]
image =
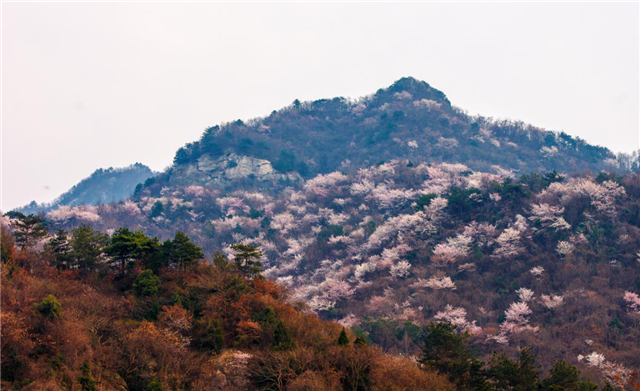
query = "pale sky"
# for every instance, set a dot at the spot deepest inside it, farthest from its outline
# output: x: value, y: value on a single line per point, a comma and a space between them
x: 91, y: 85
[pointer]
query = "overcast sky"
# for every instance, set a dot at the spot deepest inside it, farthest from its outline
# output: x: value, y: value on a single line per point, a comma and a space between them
x: 109, y: 84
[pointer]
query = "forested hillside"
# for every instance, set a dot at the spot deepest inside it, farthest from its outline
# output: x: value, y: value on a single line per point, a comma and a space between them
x: 543, y: 260
x: 485, y: 250
x: 83, y: 310
x: 408, y: 120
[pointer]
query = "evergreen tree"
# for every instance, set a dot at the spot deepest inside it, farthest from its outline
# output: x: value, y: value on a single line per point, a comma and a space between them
x: 61, y: 249
x: 447, y: 352
x: 212, y: 337
x: 360, y: 341
x: 282, y: 339
x: 86, y: 380
x: 126, y: 246
x: 87, y: 247
x: 27, y: 229
x: 50, y: 307
x: 220, y: 261
x: 522, y: 375
x: 146, y: 283
x: 343, y: 340
x: 266, y: 318
x: 182, y: 251
x: 563, y: 376
x: 246, y: 259
x: 182, y: 156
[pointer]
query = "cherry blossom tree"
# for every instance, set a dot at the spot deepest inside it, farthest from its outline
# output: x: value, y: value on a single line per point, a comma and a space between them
x: 509, y: 244
x: 455, y: 248
x: 525, y: 294
x: 552, y: 301
x: 434, y: 282
x: 549, y: 216
x: 537, y: 271
x: 565, y: 248
x: 400, y: 269
x: 458, y: 317
x: 633, y: 301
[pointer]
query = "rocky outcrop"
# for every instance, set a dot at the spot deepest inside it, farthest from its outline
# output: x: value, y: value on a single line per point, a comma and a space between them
x: 219, y: 171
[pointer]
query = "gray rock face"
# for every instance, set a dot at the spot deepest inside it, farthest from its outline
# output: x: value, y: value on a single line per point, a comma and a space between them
x: 208, y: 171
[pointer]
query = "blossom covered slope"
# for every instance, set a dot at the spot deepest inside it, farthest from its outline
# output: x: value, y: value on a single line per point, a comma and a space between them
x: 545, y: 260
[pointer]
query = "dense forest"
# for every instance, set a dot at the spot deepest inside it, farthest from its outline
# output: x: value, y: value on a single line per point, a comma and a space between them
x: 82, y: 310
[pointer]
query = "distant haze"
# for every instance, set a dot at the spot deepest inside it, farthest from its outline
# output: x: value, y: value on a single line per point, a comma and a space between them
x: 90, y: 85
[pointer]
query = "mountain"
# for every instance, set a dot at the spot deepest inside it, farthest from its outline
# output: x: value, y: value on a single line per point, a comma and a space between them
x: 409, y: 120
x: 102, y: 186
x: 398, y: 210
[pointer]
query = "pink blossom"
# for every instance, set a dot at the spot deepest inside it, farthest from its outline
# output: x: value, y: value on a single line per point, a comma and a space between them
x: 82, y: 212
x: 633, y: 301
x: 552, y: 301
x: 400, y: 269
x: 565, y: 248
x: 435, y: 283
x: 549, y: 216
x: 454, y: 249
x: 525, y: 294
x: 508, y: 244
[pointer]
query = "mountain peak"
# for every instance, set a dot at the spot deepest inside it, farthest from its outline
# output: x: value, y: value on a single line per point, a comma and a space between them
x: 418, y: 89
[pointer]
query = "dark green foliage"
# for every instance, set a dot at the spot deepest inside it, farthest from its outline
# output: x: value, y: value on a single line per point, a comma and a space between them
x: 156, y: 209
x: 447, y: 352
x: 286, y: 162
x: 61, y: 249
x: 514, y: 191
x: 127, y: 246
x: 329, y: 231
x: 49, y: 307
x: 86, y: 380
x: 246, y: 259
x: 564, y: 377
x: 146, y: 284
x: 266, y: 318
x: 220, y: 261
x: 87, y: 247
x: 424, y: 200
x: 27, y: 229
x: 282, y: 339
x: 515, y: 375
x: 209, y: 335
x: 154, y: 385
x: 182, y: 156
x: 343, y: 340
x: 182, y: 251
x: 360, y: 341
x: 460, y: 200
x: 537, y: 182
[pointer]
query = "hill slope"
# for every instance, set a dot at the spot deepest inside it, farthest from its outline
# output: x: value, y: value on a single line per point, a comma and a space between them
x: 102, y: 186
x: 540, y: 259
x: 409, y: 120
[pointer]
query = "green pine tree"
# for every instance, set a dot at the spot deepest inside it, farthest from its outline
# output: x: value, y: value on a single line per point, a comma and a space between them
x: 61, y: 249
x: 27, y: 229
x: 282, y: 339
x: 246, y: 259
x: 86, y: 380
x: 182, y: 251
x: 343, y: 340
